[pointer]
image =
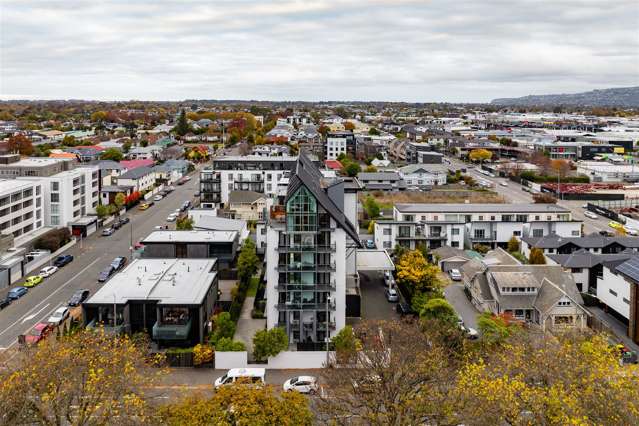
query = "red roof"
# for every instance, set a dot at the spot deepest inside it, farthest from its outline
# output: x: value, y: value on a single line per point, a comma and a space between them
x: 333, y: 164
x: 97, y: 148
x: 134, y: 164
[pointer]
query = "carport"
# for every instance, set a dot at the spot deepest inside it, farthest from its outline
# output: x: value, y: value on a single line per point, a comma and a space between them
x: 374, y: 260
x: 369, y: 300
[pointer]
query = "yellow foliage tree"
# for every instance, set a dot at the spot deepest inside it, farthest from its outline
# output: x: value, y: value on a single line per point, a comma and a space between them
x: 480, y: 155
x: 416, y: 273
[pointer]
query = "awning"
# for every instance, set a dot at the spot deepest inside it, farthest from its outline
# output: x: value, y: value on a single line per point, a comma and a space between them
x: 374, y: 260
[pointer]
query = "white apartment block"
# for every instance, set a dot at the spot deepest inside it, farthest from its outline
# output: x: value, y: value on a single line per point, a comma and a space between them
x: 21, y: 206
x: 464, y: 225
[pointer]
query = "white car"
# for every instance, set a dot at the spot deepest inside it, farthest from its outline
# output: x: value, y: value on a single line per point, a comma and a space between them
x: 58, y: 316
x: 48, y: 271
x: 171, y: 218
x: 157, y: 198
x: 591, y: 215
x: 502, y: 183
x: 631, y: 231
x: 301, y: 384
x: 455, y: 275
x: 471, y: 333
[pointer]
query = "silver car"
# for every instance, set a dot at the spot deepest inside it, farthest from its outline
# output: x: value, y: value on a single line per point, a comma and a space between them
x: 392, y: 295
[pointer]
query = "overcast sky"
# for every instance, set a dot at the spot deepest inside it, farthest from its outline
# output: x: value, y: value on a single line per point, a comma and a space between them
x: 395, y: 50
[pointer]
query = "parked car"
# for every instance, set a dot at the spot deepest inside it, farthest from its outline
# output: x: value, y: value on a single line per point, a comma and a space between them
x: 392, y: 295
x: 455, y: 275
x: 47, y: 271
x: 124, y: 221
x: 301, y: 384
x: 144, y: 206
x: 33, y: 281
x: 157, y: 198
x: 248, y: 375
x: 106, y: 273
x: 369, y: 244
x: 171, y: 218
x: 58, y: 317
x: 503, y: 183
x: 615, y: 225
x: 107, y: 232
x: 116, y: 224
x: 471, y: 333
x: 4, y: 302
x: 197, y: 194
x: 78, y: 297
x: 606, y: 233
x: 119, y: 262
x: 17, y: 292
x: 38, y: 333
x: 590, y: 214
x: 404, y: 309
x: 65, y: 259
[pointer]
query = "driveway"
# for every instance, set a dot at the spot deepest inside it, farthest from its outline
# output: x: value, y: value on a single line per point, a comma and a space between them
x: 374, y: 303
x: 455, y: 295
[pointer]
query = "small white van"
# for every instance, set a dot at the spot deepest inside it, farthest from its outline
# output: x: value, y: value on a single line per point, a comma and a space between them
x: 250, y: 376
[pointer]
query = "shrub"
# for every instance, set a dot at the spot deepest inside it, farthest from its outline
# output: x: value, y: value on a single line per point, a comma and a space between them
x: 226, y: 344
x: 53, y: 240
x: 481, y: 248
x: 223, y: 326
x: 345, y: 343
x: 203, y: 354
x: 536, y: 257
x: 268, y: 343
x: 513, y: 244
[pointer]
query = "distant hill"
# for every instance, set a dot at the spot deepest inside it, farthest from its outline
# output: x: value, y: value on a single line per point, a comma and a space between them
x: 625, y: 97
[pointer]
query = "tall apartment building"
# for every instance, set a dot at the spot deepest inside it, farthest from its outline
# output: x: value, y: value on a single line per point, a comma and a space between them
x: 12, y: 166
x: 21, y: 206
x: 250, y: 173
x: 340, y: 143
x: 463, y: 225
x: 311, y: 255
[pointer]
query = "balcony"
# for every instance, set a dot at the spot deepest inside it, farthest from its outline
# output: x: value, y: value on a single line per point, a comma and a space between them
x: 476, y: 238
x: 249, y: 179
x: 322, y: 325
x: 306, y: 266
x: 324, y: 248
x: 207, y: 177
x: 305, y: 306
x: 171, y: 331
x: 305, y: 287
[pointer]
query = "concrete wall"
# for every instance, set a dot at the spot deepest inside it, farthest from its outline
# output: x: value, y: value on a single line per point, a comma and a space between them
x: 620, y: 286
x: 228, y: 360
x: 283, y: 361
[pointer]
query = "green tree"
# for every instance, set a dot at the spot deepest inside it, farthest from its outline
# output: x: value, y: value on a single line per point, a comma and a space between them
x: 126, y: 147
x: 226, y: 344
x: 119, y: 201
x: 113, y: 154
x: 102, y: 211
x: 184, y: 224
x: 439, y: 309
x: 346, y: 344
x: 373, y: 131
x: 371, y: 207
x: 223, y: 326
x: 371, y: 169
x: 70, y: 141
x: 247, y: 261
x: 536, y: 257
x: 494, y: 329
x: 513, y: 244
x: 182, y: 125
x: 267, y: 343
x: 351, y: 169
x: 144, y: 143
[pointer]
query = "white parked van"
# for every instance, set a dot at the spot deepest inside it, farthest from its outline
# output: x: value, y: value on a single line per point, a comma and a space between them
x: 250, y: 375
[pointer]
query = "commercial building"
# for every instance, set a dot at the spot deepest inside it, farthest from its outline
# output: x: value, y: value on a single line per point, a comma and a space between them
x: 21, y: 206
x: 464, y: 225
x: 170, y: 299
x: 249, y: 173
x: 599, y: 171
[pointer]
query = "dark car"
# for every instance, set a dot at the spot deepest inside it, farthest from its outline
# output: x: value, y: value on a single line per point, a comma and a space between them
x: 79, y: 297
x: 197, y: 194
x: 17, y: 292
x: 404, y: 309
x: 118, y: 263
x: 124, y: 221
x: 60, y: 261
x: 4, y: 302
x: 117, y: 224
x: 106, y: 273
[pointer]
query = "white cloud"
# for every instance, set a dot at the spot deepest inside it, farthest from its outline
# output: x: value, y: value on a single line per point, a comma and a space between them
x: 434, y: 50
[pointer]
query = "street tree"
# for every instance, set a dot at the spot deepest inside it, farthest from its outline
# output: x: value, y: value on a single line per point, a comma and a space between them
x: 20, y: 144
x: 87, y: 378
x: 102, y: 211
x: 269, y: 342
x: 119, y: 201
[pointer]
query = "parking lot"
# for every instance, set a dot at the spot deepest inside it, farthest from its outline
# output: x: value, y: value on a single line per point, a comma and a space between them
x: 374, y: 303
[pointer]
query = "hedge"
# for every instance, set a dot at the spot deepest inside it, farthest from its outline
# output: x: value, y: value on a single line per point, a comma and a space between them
x: 53, y: 240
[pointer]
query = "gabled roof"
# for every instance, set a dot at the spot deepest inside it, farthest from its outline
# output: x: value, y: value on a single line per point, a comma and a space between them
x: 630, y: 268
x: 588, y: 241
x: 307, y: 174
x: 133, y: 164
x: 389, y: 176
x: 136, y: 173
x: 245, y: 197
x: 585, y: 259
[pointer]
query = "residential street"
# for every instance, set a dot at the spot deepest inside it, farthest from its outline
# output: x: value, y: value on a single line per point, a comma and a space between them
x: 92, y: 256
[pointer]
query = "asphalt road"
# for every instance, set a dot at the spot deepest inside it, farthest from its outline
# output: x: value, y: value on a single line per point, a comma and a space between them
x: 93, y: 255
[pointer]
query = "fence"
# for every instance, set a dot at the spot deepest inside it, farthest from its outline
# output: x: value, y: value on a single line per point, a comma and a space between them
x: 46, y: 259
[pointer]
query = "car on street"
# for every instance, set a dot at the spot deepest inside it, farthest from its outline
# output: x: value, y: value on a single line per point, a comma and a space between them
x: 63, y: 260
x: 177, y: 211
x: 455, y: 275
x: 58, y: 317
x: 38, y: 333
x: 124, y: 221
x: 106, y: 273
x: 185, y: 205
x: 17, y: 292
x: 591, y: 215
x: 107, y: 232
x: 33, y: 281
x: 172, y: 217
x: 301, y: 384
x: 370, y: 244
x: 78, y: 297
x: 250, y: 376
x: 631, y: 231
x: 119, y: 262
x: 404, y: 309
x: 144, y: 206
x: 157, y: 198
x: 116, y: 224
x: 615, y: 225
x: 503, y: 183
x: 197, y: 194
x: 47, y: 271
x: 4, y: 302
x: 392, y: 295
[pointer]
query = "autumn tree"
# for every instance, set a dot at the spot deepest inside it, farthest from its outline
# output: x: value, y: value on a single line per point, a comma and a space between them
x: 560, y: 168
x: 184, y: 224
x: 513, y: 244
x: 480, y: 155
x: 495, y: 329
x: 119, y: 200
x: 99, y: 116
x: 544, y: 198
x: 349, y: 126
x: 20, y: 144
x: 536, y: 257
x: 87, y: 378
x: 238, y: 404
x: 416, y: 274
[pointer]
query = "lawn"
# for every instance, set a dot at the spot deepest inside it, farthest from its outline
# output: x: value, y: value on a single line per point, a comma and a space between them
x: 252, y: 290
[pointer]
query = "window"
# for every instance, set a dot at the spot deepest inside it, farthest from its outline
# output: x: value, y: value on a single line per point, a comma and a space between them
x: 577, y: 270
x: 563, y: 303
x: 626, y: 301
x: 538, y: 232
x: 55, y: 186
x: 387, y: 231
x: 55, y: 198
x: 481, y: 217
x: 614, y: 293
x: 454, y: 231
x: 454, y: 244
x: 517, y: 233
x: 435, y: 217
x: 506, y: 218
x: 386, y: 244
x: 537, y: 217
x: 575, y: 233
x: 492, y: 218
x: 479, y: 233
x: 548, y: 218
x: 563, y: 319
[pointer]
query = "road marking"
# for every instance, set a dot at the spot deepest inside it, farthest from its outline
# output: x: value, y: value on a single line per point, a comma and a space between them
x: 32, y: 316
x: 49, y: 296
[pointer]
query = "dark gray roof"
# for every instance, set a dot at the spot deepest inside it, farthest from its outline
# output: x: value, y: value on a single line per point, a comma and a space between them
x: 308, y: 175
x: 481, y: 208
x: 446, y: 252
x: 424, y: 168
x: 136, y: 173
x: 109, y: 165
x: 630, y: 268
x: 390, y: 176
x: 585, y: 259
x: 244, y: 197
x: 588, y: 241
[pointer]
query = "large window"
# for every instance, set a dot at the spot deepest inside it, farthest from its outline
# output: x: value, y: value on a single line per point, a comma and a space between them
x: 301, y: 212
x: 175, y: 315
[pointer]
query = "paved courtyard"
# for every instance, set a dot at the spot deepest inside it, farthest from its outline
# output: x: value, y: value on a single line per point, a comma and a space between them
x: 374, y: 304
x: 455, y: 295
x: 247, y: 326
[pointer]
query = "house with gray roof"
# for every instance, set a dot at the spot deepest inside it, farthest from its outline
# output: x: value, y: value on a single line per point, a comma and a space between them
x: 381, y: 181
x: 424, y: 175
x: 141, y: 178
x: 594, y: 243
x: 618, y: 290
x: 540, y: 295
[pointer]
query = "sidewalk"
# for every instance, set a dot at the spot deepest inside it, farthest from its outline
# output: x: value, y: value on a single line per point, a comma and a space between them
x: 247, y: 326
x: 619, y: 329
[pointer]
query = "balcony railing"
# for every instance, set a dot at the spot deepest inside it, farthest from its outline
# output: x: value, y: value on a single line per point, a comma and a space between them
x: 250, y: 179
x: 171, y: 331
x: 305, y: 287
x: 322, y: 325
x: 306, y: 266
x: 296, y: 306
x: 323, y: 248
